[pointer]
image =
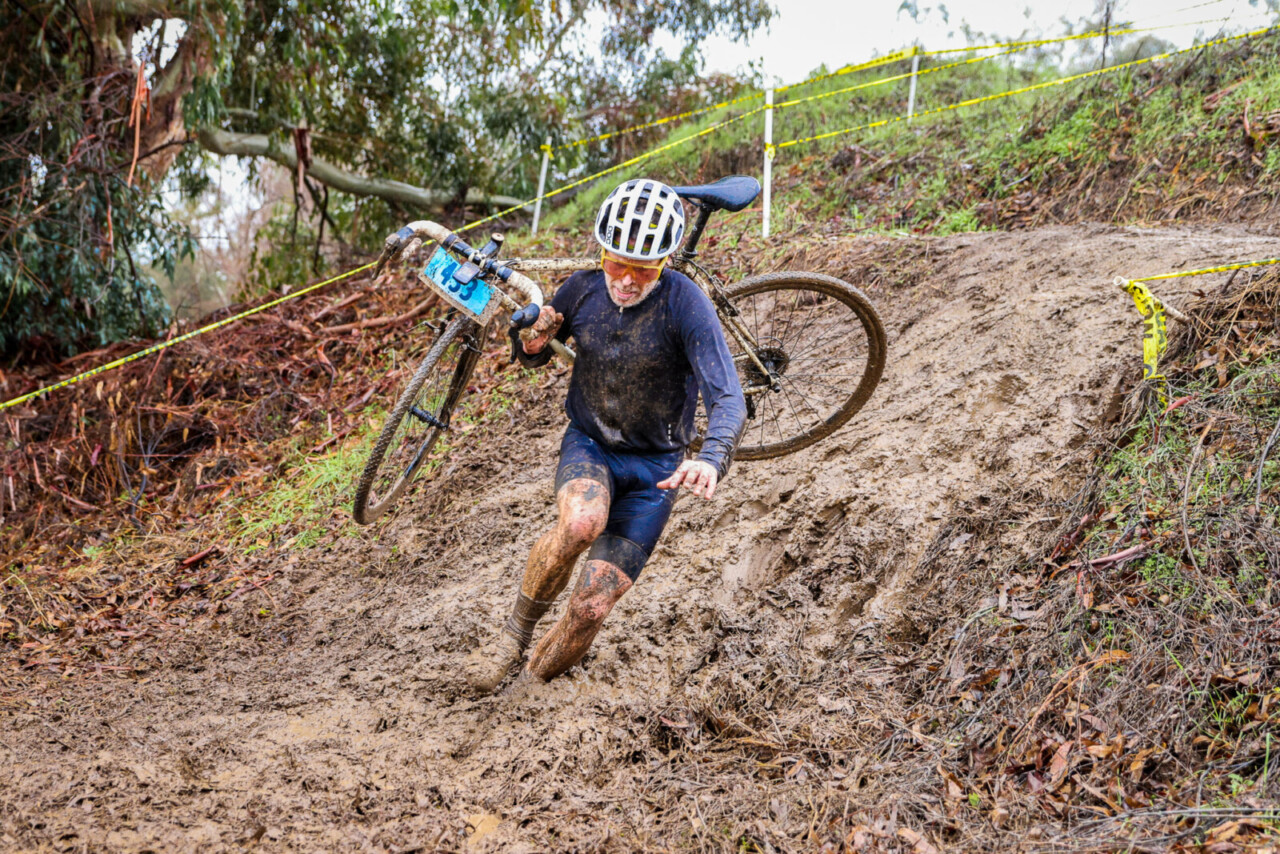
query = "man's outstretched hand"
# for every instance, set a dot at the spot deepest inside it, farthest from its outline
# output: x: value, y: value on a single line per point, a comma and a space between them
x: 547, y: 325
x: 694, y: 475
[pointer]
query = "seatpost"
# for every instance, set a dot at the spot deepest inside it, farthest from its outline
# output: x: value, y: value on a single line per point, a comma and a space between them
x: 690, y: 249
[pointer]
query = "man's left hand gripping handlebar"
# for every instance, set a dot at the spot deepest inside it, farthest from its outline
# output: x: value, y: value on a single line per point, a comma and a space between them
x: 537, y: 336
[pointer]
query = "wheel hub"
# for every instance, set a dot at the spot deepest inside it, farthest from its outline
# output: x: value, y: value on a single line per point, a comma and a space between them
x: 775, y: 360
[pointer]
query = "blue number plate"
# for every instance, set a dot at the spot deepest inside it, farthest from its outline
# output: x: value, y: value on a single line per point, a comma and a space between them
x: 473, y: 297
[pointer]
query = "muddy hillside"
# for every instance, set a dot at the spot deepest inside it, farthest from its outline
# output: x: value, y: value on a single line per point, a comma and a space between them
x: 759, y: 689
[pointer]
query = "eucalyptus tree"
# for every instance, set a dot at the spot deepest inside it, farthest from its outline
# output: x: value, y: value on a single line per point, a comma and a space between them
x: 409, y: 105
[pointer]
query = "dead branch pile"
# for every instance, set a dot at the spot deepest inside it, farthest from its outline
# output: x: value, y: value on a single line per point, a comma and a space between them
x: 181, y: 443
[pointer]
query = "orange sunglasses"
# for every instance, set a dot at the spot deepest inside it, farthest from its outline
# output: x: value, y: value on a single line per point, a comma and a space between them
x: 641, y: 274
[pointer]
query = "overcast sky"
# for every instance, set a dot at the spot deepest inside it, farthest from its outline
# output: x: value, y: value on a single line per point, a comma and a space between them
x: 807, y: 33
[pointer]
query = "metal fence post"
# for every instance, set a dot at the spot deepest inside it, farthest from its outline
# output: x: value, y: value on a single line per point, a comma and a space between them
x: 915, y: 71
x: 768, y: 159
x: 542, y: 184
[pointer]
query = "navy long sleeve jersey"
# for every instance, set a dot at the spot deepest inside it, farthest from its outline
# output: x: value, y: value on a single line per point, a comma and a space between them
x: 639, y: 369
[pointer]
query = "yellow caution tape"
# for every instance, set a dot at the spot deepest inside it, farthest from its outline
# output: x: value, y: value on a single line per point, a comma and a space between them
x: 849, y: 69
x: 1033, y: 88
x: 892, y: 79
x: 887, y: 59
x: 1013, y: 47
x: 273, y: 303
x: 1155, y: 337
x: 639, y: 158
x: 1031, y: 42
x: 187, y: 336
x: 1127, y: 31
x: 1223, y: 269
x: 896, y: 56
x: 910, y: 52
x: 552, y: 149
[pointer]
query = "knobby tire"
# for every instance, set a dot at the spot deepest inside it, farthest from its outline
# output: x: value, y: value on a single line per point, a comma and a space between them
x: 366, y: 513
x: 868, y: 330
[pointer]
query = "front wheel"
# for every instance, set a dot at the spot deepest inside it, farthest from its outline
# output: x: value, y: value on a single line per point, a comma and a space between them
x: 822, y: 349
x: 416, y: 426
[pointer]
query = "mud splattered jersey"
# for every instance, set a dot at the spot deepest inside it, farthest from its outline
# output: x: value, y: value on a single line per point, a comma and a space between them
x: 640, y: 369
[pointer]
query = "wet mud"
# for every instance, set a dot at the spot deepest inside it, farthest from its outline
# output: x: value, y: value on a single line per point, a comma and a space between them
x: 340, y: 719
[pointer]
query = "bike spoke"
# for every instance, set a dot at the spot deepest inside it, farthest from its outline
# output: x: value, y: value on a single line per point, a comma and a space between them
x: 799, y: 336
x: 789, y: 387
x: 815, y: 345
x: 419, y: 432
x: 787, y: 396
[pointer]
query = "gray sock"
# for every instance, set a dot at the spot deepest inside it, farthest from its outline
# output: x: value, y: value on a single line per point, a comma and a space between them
x: 524, y: 616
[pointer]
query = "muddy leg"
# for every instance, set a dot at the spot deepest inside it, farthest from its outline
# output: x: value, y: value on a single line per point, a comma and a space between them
x: 584, y: 508
x: 600, y: 586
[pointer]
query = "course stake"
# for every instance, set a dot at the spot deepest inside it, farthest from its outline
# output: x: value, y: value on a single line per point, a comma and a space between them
x: 542, y: 183
x: 768, y: 159
x: 915, y: 73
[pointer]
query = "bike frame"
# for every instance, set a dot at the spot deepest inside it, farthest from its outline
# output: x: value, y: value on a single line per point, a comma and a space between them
x: 510, y: 273
x: 684, y: 261
x: 761, y: 363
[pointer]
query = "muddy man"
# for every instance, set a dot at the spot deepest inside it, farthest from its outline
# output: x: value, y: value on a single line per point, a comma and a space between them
x: 648, y: 341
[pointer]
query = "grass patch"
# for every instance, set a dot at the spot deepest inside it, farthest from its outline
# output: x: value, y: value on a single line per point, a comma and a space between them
x: 1116, y: 145
x: 305, y: 501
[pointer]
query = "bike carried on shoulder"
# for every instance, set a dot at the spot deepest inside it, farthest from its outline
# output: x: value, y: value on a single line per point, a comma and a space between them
x: 809, y: 348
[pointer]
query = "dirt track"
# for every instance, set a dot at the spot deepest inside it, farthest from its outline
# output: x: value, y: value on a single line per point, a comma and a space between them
x: 340, y: 722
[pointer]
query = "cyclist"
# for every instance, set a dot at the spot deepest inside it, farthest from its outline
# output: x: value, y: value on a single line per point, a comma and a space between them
x: 648, y: 342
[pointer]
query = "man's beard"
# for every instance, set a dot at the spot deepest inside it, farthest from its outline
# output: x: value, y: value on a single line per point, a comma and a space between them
x: 645, y: 290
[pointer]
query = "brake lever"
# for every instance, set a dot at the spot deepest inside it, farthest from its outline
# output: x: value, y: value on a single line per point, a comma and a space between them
x: 391, y: 248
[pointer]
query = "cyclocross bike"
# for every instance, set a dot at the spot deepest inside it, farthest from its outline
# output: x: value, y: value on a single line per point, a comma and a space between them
x: 809, y: 348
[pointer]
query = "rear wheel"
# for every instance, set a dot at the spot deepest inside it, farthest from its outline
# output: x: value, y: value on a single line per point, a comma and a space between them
x: 823, y: 349
x: 411, y: 438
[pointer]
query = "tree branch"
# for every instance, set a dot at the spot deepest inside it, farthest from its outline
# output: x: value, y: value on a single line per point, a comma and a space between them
x: 145, y: 10
x: 258, y: 145
x: 553, y: 45
x: 253, y: 116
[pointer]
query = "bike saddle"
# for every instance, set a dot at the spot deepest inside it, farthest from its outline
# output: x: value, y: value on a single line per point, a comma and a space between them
x: 728, y: 194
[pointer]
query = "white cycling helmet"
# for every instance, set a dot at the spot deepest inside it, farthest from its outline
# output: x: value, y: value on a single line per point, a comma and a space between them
x: 641, y: 219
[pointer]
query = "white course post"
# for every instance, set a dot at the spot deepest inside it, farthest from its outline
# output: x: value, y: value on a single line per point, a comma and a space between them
x: 542, y: 184
x: 915, y: 71
x: 768, y: 159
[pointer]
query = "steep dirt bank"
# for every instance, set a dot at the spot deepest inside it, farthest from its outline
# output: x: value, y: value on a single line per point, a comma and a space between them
x: 762, y: 685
